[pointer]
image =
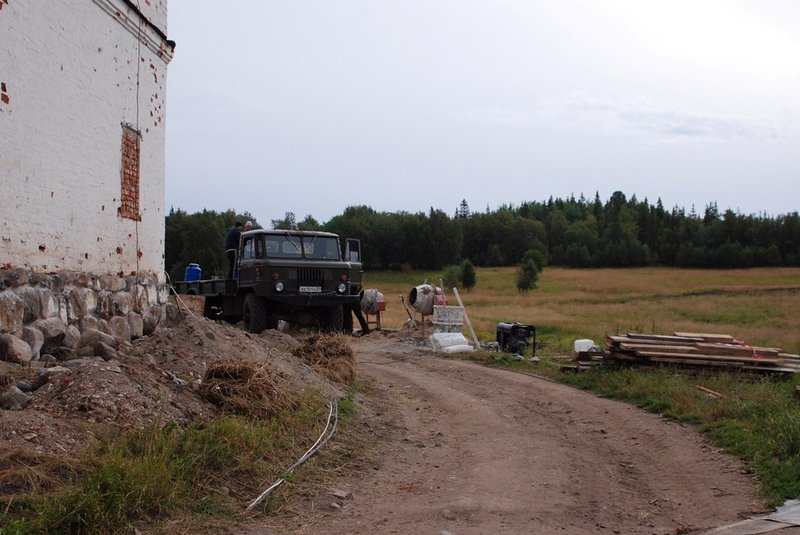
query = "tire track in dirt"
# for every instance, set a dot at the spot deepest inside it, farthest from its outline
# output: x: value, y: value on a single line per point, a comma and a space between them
x: 490, y: 451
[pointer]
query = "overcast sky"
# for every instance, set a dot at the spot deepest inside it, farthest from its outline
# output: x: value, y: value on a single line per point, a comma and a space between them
x: 312, y: 106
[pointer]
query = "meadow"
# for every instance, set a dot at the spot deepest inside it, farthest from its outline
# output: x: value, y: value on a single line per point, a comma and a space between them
x: 755, y: 418
x: 164, y: 472
x: 758, y: 306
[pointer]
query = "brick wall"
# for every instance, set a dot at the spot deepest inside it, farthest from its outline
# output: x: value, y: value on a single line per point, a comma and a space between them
x: 129, y: 207
x: 75, y: 197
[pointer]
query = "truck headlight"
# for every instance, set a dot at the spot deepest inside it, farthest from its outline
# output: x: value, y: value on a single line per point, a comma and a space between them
x: 279, y: 286
x: 341, y: 288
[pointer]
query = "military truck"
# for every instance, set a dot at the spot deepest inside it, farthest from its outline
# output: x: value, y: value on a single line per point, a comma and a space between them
x: 291, y: 275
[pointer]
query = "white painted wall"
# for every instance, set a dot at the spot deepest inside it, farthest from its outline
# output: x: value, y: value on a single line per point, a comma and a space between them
x: 74, y: 72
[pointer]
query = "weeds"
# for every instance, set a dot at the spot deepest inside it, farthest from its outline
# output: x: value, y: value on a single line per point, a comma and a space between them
x: 155, y: 473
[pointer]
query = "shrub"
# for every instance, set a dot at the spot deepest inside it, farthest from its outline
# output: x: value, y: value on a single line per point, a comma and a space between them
x: 527, y: 273
x: 468, y: 276
x: 451, y: 276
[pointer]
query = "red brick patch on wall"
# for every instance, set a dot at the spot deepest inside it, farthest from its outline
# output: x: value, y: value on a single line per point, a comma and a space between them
x: 130, y: 173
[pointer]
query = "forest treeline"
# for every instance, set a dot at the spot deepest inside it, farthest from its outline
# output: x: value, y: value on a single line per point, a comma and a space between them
x: 619, y: 232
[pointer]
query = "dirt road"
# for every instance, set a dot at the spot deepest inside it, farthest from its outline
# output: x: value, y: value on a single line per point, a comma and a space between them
x: 473, y: 450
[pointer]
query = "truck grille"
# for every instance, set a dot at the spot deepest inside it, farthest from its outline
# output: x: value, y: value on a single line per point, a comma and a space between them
x: 310, y: 276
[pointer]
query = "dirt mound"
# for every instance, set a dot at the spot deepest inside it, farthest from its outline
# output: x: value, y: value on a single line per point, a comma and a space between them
x: 157, y: 378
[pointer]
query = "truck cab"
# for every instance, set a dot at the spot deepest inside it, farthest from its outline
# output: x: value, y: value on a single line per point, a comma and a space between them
x: 291, y: 275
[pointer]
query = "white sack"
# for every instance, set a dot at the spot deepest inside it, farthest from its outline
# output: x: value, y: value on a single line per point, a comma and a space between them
x: 458, y: 349
x: 439, y: 341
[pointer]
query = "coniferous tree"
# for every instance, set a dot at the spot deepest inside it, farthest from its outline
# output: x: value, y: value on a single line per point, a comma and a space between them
x: 468, y: 276
x: 527, y: 273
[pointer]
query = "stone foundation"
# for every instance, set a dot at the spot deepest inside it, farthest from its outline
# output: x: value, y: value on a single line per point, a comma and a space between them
x: 68, y: 315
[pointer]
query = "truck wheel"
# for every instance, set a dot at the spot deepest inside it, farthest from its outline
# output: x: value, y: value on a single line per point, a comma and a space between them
x: 254, y: 313
x: 334, y: 319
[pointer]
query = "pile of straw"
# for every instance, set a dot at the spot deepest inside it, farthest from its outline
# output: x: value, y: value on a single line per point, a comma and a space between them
x: 330, y: 355
x: 245, y: 387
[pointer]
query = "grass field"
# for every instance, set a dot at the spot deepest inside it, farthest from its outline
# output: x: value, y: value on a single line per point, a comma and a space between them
x: 161, y: 473
x: 755, y: 305
x: 757, y: 419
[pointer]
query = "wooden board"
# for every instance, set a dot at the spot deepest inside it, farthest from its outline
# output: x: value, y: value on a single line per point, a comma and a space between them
x: 721, y: 358
x: 628, y: 339
x: 708, y: 337
x: 659, y: 348
x: 778, y: 369
x: 714, y: 363
x: 665, y: 338
x: 733, y: 349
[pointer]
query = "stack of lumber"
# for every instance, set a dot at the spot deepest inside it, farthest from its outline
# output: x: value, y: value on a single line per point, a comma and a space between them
x: 701, y: 350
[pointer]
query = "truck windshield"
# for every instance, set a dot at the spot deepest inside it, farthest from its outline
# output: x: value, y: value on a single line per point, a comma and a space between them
x: 311, y: 247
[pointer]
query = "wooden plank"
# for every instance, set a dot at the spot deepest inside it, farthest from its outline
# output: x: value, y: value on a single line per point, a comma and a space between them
x: 721, y: 358
x: 627, y: 339
x: 733, y: 349
x: 625, y: 356
x: 665, y: 338
x: 765, y: 369
x: 714, y: 363
x: 659, y: 348
x: 708, y: 337
x: 712, y: 393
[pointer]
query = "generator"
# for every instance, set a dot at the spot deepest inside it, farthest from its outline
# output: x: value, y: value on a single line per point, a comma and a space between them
x: 516, y: 337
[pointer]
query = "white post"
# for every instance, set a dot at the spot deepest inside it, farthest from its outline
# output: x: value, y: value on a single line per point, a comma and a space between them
x: 466, y: 317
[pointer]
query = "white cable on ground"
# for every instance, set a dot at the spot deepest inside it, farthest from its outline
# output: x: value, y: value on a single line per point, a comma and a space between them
x: 178, y: 297
x: 333, y: 413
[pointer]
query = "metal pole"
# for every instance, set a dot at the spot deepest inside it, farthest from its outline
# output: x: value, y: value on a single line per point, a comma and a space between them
x: 466, y: 317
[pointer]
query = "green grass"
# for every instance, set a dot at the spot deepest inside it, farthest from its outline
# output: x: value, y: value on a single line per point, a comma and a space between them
x: 756, y: 419
x: 755, y: 305
x: 155, y: 473
x: 171, y: 472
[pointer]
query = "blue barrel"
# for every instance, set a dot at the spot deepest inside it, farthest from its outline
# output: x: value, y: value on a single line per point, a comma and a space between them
x: 193, y: 272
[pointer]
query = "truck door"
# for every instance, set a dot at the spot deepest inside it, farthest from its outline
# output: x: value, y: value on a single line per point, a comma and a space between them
x: 352, y: 254
x: 247, y: 260
x: 352, y: 250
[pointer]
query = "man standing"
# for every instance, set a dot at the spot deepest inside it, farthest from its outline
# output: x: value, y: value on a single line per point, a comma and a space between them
x: 349, y: 310
x: 232, y: 246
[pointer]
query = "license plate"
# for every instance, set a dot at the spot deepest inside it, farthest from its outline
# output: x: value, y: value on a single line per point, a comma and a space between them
x: 310, y: 289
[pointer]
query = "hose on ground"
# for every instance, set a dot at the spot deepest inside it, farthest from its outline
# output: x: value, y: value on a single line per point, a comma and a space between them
x: 327, y: 433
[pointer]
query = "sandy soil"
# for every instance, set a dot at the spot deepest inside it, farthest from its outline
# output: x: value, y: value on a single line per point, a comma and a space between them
x: 464, y: 449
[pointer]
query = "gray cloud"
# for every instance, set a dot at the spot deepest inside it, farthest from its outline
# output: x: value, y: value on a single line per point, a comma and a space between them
x: 638, y: 115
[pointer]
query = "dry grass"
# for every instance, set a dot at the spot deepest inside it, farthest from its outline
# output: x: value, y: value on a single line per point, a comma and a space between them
x: 756, y: 305
x: 11, y: 376
x: 329, y: 354
x: 245, y: 387
x: 24, y: 473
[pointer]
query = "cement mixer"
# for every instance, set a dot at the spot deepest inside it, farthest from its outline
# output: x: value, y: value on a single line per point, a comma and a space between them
x: 424, y: 297
x: 372, y: 302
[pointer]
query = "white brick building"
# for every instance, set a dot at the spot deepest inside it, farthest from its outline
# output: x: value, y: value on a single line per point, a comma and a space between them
x: 82, y: 121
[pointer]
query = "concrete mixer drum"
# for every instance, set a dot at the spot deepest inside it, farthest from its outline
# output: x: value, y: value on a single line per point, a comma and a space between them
x: 423, y: 297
